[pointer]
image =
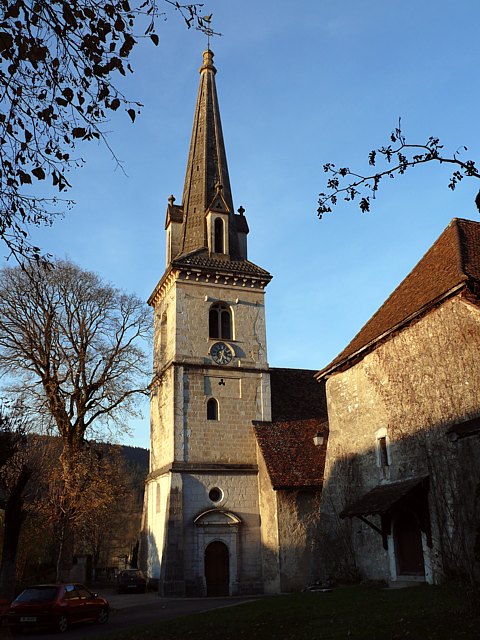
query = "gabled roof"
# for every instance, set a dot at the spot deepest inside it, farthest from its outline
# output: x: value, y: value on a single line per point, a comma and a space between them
x: 299, y: 412
x: 451, y: 264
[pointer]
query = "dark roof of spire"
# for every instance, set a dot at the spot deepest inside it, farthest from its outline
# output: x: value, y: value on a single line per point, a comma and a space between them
x: 201, y: 258
x: 452, y: 261
x: 207, y: 162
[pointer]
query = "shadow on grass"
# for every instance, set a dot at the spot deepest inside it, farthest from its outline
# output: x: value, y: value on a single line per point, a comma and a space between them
x: 423, y: 612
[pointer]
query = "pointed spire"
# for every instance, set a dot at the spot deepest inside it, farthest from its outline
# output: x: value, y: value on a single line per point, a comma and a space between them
x: 207, y: 161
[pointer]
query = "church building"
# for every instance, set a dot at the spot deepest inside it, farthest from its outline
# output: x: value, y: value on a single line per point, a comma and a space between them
x: 243, y: 495
x: 230, y: 507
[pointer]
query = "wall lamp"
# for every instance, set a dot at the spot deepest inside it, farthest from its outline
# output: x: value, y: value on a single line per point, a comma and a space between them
x: 318, y: 439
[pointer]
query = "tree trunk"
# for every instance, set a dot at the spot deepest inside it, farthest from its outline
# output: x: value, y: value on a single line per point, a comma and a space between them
x: 14, y: 516
x: 65, y: 550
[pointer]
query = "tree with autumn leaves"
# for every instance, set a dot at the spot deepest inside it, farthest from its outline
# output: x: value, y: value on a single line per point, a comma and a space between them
x: 73, y: 349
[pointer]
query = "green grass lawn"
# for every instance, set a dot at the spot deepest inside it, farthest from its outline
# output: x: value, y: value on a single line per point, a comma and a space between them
x: 354, y: 612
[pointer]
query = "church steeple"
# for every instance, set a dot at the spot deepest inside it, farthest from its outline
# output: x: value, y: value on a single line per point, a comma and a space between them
x: 207, y: 160
x: 206, y: 219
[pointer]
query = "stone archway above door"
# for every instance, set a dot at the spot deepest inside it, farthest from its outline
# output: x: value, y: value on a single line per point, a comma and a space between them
x: 217, y: 517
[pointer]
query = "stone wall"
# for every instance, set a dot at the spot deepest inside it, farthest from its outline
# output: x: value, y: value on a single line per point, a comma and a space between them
x: 298, y: 518
x: 269, y: 529
x: 155, y: 524
x: 192, y: 306
x: 411, y: 388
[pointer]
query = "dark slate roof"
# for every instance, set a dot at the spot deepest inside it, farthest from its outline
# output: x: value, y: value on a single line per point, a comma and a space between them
x: 202, y: 259
x: 241, y: 224
x: 298, y: 413
x: 174, y: 214
x: 296, y: 395
x: 207, y: 160
x: 382, y: 498
x: 453, y: 261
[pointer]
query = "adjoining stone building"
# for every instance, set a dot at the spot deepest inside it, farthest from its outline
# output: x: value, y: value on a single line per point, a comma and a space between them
x: 221, y: 505
x: 402, y: 478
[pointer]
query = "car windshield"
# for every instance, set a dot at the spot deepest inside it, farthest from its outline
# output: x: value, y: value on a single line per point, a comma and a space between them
x: 37, y: 594
x: 130, y: 573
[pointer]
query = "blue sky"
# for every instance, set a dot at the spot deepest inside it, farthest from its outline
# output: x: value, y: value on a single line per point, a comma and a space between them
x: 300, y: 84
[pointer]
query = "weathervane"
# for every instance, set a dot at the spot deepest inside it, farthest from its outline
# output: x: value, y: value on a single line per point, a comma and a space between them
x: 206, y: 26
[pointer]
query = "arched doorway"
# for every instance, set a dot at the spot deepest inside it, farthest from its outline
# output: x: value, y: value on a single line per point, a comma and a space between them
x: 217, y: 574
x: 408, y: 545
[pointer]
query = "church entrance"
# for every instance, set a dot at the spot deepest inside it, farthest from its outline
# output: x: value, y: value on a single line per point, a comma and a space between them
x: 408, y: 545
x: 217, y: 574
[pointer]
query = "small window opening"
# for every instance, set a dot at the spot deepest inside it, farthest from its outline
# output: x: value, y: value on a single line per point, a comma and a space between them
x: 157, y: 499
x: 218, y: 232
x: 163, y: 335
x: 212, y: 409
x: 383, y: 451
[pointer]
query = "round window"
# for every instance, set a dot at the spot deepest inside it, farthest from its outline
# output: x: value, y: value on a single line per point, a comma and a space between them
x: 215, y: 494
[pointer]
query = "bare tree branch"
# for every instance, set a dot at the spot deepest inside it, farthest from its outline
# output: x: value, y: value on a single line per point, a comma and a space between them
x: 399, y: 156
x: 59, y: 61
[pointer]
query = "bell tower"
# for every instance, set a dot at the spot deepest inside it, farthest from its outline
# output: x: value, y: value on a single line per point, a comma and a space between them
x: 210, y: 381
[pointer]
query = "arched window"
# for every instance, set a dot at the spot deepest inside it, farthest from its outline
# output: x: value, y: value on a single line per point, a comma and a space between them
x: 218, y: 236
x: 220, y: 322
x: 212, y: 409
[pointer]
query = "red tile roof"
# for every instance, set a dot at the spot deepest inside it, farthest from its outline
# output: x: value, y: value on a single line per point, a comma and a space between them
x: 298, y: 413
x: 450, y: 264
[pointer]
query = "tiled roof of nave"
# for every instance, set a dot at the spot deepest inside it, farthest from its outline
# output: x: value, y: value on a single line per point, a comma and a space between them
x: 452, y: 260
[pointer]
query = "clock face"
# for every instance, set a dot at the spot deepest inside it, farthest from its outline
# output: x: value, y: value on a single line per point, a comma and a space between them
x: 221, y: 353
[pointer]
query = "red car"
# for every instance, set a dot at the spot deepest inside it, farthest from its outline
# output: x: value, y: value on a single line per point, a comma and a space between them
x: 56, y: 606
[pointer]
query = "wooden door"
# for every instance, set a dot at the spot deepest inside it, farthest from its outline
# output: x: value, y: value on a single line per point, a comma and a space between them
x: 217, y: 572
x: 408, y: 546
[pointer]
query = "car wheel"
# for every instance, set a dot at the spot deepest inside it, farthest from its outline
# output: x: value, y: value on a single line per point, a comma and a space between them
x: 62, y: 624
x: 103, y: 616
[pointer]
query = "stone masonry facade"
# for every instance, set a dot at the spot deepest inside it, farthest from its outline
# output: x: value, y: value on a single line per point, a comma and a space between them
x: 409, y: 389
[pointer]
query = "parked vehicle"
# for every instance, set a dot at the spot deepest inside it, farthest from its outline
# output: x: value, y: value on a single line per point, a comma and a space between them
x: 4, y: 606
x: 56, y: 606
x: 131, y: 580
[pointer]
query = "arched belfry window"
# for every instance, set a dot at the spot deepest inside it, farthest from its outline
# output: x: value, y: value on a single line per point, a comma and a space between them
x: 220, y: 322
x: 218, y: 236
x: 212, y: 409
